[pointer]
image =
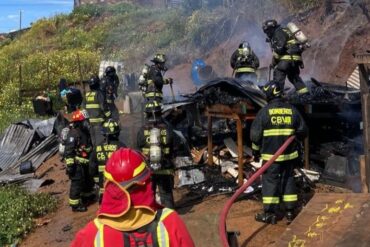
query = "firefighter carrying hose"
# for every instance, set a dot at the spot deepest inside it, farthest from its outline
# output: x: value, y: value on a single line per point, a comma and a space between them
x: 287, y: 50
x: 271, y: 128
x: 129, y: 214
x: 103, y: 151
x: 155, y: 139
x: 76, y: 154
x: 152, y: 81
x: 109, y: 86
x: 97, y: 109
x: 244, y: 62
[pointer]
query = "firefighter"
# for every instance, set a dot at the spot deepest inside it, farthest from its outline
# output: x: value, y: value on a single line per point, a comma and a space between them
x: 76, y: 155
x: 155, y: 139
x: 97, y: 109
x: 103, y: 151
x: 71, y: 97
x: 109, y: 86
x: 271, y: 128
x: 154, y: 78
x: 129, y: 214
x: 244, y: 62
x: 287, y: 55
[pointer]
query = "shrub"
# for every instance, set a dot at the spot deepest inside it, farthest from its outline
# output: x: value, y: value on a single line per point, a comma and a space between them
x: 18, y: 210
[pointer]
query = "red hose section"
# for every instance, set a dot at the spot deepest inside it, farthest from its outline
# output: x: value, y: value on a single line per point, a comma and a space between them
x: 225, y: 210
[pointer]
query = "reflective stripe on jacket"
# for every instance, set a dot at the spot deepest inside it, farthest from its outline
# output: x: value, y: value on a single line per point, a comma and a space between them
x: 96, y: 107
x: 272, y: 127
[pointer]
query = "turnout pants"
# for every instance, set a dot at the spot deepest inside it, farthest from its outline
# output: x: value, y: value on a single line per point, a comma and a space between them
x: 81, y: 185
x: 165, y: 185
x: 278, y: 185
x: 290, y: 69
x: 114, y: 111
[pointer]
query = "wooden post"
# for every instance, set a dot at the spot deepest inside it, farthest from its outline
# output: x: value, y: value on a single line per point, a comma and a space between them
x: 210, y: 144
x: 306, y: 143
x: 363, y: 61
x: 239, y: 130
x: 306, y: 153
x: 20, y: 84
x: 363, y: 174
x: 47, y: 75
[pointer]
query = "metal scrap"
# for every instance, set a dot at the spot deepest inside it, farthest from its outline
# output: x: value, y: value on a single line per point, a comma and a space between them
x: 16, y: 142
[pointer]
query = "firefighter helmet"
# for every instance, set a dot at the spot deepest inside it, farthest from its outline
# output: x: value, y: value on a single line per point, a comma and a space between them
x: 110, y: 70
x: 127, y: 167
x: 94, y: 82
x: 78, y: 116
x: 110, y: 127
x: 269, y: 24
x: 272, y: 90
x: 159, y: 58
x: 244, y: 44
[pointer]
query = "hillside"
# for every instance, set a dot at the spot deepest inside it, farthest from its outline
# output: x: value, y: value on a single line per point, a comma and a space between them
x: 52, y: 48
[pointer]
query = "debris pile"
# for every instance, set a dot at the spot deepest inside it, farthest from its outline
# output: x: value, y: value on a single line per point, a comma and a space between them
x: 28, y: 143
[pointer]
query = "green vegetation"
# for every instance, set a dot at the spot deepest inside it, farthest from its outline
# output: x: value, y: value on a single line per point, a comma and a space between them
x: 18, y: 210
x: 51, y: 48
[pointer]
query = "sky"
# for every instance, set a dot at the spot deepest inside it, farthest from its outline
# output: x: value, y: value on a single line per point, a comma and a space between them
x: 31, y: 10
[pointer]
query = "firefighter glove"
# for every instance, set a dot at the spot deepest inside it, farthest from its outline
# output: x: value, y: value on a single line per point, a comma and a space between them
x: 256, y: 155
x: 169, y: 81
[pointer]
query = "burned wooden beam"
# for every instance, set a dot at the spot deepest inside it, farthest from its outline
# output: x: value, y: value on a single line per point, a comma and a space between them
x: 363, y: 61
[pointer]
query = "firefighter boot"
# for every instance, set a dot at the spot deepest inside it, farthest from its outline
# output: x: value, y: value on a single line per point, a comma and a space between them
x: 266, y: 217
x: 79, y: 208
x: 289, y: 215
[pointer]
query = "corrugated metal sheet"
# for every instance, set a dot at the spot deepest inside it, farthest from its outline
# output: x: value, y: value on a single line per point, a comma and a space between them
x: 40, y: 153
x: 37, y: 156
x: 15, y: 142
x: 354, y: 80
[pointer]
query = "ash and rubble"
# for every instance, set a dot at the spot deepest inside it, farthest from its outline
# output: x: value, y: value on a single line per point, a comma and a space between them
x: 332, y: 113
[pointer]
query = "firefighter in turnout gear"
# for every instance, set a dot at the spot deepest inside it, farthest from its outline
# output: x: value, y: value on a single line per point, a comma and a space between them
x: 155, y: 139
x: 109, y: 87
x: 103, y: 151
x: 244, y: 62
x: 76, y: 155
x: 129, y: 215
x: 287, y: 55
x: 154, y: 79
x: 273, y: 125
x: 97, y: 109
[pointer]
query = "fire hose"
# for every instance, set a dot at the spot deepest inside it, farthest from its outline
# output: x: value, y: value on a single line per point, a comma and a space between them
x: 225, y: 210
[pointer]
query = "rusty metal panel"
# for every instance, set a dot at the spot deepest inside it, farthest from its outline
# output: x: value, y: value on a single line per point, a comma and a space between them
x: 330, y: 220
x: 363, y: 58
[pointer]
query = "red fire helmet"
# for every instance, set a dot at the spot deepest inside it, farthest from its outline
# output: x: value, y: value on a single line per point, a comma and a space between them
x: 78, y: 116
x: 126, y: 167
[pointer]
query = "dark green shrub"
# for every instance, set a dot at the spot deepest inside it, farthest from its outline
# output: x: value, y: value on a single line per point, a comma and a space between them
x: 17, y: 211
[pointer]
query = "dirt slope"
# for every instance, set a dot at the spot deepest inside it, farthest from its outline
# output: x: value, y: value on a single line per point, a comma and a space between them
x: 335, y: 31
